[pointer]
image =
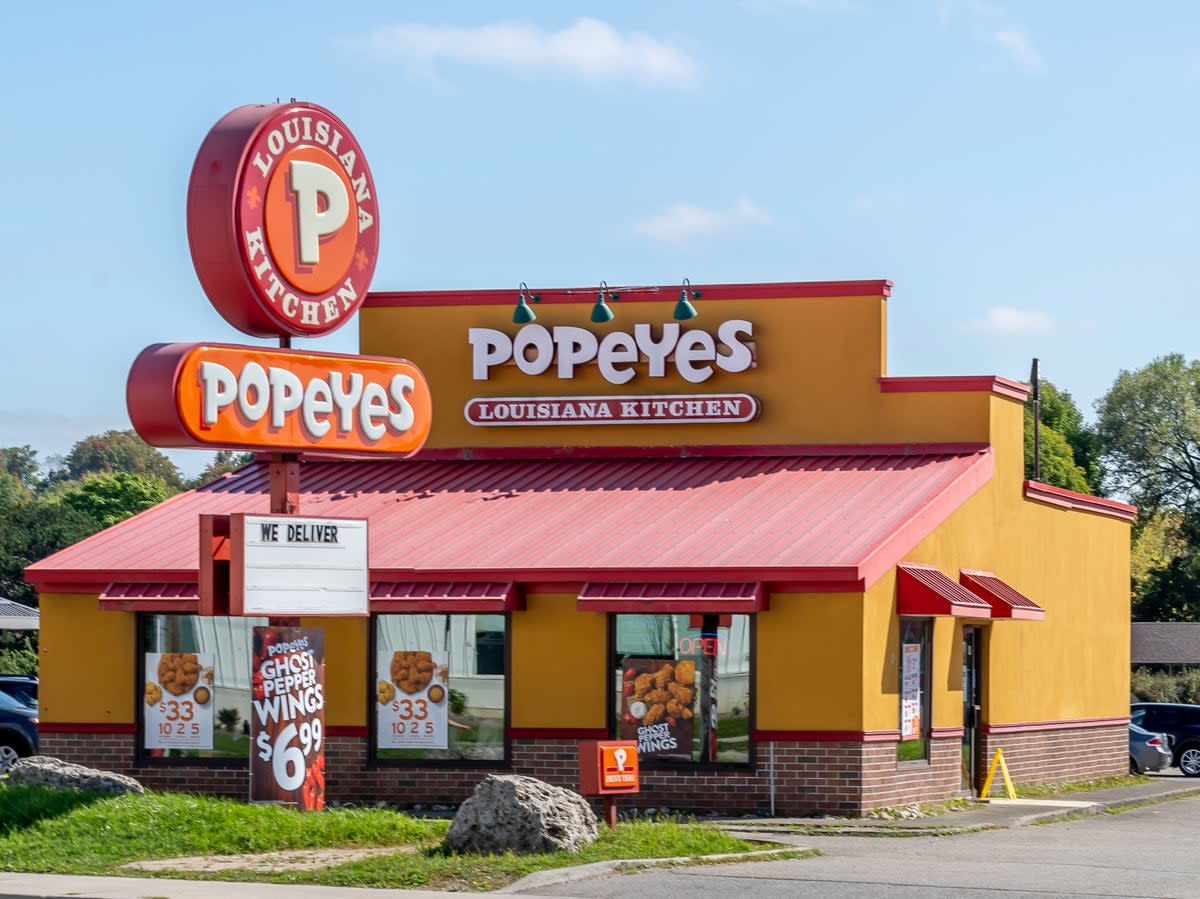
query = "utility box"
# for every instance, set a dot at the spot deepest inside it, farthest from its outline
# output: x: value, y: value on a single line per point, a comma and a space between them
x: 608, y: 767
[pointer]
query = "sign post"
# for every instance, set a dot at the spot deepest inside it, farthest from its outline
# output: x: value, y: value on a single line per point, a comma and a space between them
x: 608, y: 768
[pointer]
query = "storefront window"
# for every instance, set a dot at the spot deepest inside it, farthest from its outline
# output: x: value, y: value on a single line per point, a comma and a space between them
x: 195, y: 672
x: 439, y: 687
x: 682, y: 686
x: 915, y: 674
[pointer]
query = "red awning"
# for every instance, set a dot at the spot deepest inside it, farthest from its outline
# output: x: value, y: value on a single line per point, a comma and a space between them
x: 748, y: 596
x: 151, y: 597
x: 444, y: 596
x: 924, y: 590
x: 1005, y: 601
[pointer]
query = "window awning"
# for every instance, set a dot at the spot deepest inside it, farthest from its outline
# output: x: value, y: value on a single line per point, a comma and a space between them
x: 1005, y: 601
x: 445, y: 596
x: 726, y: 597
x: 924, y: 590
x: 153, y: 596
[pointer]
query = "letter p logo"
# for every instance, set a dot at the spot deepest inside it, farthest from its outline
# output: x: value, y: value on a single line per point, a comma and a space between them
x: 312, y: 183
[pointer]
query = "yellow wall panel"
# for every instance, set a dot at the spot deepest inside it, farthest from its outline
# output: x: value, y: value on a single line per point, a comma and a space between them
x: 809, y: 666
x: 345, y: 669
x: 560, y: 675
x: 85, y: 661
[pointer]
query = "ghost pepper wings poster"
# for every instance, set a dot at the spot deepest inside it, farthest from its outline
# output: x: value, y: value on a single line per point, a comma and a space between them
x: 658, y: 700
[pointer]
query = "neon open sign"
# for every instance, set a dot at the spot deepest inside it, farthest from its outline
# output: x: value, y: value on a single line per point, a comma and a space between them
x: 706, y: 646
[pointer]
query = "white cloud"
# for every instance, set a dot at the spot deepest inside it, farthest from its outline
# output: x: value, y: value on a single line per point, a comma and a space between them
x: 990, y: 24
x: 1016, y: 44
x: 588, y: 49
x: 683, y: 221
x: 1008, y: 321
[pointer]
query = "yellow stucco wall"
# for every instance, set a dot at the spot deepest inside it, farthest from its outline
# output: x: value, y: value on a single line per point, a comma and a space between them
x: 346, y: 662
x: 85, y: 661
x: 818, y: 364
x: 809, y: 675
x: 559, y: 671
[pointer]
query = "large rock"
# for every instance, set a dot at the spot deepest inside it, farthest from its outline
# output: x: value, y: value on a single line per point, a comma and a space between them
x: 47, y: 771
x: 521, y: 814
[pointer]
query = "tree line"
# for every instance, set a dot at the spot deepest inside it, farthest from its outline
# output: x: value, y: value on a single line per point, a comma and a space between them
x: 104, y: 479
x: 1143, y: 448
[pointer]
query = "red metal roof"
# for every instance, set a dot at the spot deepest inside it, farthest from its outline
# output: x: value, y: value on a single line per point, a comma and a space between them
x: 838, y: 517
x: 1006, y: 601
x: 620, y: 596
x: 153, y: 596
x: 924, y: 590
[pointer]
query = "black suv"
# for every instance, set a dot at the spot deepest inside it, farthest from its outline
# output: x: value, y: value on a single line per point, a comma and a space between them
x: 18, y: 718
x: 1178, y: 720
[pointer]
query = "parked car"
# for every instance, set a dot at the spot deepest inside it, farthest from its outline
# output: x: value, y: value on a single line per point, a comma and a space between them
x: 1148, y: 751
x: 1181, y: 722
x: 18, y: 719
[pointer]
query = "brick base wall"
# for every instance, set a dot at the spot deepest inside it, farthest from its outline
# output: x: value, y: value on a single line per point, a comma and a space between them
x: 806, y: 777
x: 1055, y: 756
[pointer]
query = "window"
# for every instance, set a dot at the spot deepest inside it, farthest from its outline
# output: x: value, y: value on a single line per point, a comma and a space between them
x: 206, y: 712
x: 915, y: 676
x: 439, y: 688
x: 682, y: 686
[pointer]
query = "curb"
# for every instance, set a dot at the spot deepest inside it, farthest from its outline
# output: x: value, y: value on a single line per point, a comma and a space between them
x: 557, y: 876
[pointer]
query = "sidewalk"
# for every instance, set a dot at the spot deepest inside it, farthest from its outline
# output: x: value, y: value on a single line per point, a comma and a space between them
x: 992, y: 814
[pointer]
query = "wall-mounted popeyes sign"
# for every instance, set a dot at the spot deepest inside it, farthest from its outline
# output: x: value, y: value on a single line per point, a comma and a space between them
x: 283, y: 220
x: 283, y: 225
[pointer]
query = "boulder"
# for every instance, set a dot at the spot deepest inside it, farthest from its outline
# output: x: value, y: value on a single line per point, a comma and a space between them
x: 509, y: 812
x: 47, y: 771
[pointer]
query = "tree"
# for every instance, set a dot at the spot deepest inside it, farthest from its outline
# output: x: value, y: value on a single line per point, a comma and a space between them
x: 21, y: 463
x: 224, y: 461
x: 1149, y: 427
x: 1067, y: 447
x: 117, y: 451
x: 33, y: 529
x: 111, y: 497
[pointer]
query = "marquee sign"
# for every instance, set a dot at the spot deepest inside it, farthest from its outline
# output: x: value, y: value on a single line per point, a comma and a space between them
x: 217, y: 396
x: 283, y: 221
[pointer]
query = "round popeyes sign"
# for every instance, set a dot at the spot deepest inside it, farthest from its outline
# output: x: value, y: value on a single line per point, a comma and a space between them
x: 283, y: 220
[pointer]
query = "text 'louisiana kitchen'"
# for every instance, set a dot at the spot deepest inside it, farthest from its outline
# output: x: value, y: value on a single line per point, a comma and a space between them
x: 345, y: 402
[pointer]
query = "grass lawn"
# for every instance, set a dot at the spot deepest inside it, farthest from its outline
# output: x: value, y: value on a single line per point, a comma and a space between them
x: 65, y: 832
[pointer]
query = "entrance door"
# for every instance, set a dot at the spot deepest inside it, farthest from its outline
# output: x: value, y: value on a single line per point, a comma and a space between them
x: 971, y: 708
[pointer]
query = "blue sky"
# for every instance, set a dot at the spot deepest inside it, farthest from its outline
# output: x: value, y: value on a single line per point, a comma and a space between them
x: 1027, y: 173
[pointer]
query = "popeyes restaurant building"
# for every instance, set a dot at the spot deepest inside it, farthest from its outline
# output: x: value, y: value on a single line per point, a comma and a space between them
x: 706, y: 519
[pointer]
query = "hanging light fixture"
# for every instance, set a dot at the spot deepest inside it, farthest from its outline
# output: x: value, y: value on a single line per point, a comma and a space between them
x: 684, y: 308
x: 601, y: 312
x: 524, y: 313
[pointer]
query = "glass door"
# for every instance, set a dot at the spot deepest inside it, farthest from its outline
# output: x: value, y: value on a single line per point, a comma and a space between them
x: 971, y: 708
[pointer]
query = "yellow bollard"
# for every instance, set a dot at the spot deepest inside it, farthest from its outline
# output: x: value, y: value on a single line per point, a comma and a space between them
x: 998, y: 759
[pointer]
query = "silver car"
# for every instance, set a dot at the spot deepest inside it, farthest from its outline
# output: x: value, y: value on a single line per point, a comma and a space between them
x: 1148, y: 751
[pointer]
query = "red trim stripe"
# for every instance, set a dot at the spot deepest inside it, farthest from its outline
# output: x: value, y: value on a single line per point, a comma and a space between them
x: 946, y: 733
x: 1081, y: 502
x: 669, y: 293
x: 557, y: 733
x: 789, y: 450
x: 995, y: 384
x: 68, y: 727
x: 661, y: 597
x: 825, y: 736
x: 348, y: 730
x: 1073, y: 724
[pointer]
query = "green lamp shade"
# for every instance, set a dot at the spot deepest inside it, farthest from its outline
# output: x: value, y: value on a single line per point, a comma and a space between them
x: 684, y: 308
x: 601, y: 312
x: 523, y: 314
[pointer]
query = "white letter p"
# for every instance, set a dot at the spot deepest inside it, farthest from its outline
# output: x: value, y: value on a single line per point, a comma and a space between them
x: 308, y: 179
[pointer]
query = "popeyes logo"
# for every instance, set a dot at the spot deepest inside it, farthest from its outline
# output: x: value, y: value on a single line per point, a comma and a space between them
x: 283, y: 220
x: 242, y: 397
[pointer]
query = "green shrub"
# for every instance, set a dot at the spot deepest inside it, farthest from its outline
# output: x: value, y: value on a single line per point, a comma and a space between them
x: 1166, y: 686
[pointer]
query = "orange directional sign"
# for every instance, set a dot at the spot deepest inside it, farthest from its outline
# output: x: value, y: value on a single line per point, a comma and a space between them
x: 607, y: 767
x: 218, y: 396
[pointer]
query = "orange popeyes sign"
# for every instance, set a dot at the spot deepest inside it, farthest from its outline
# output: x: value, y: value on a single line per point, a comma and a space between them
x: 608, y: 766
x: 237, y: 397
